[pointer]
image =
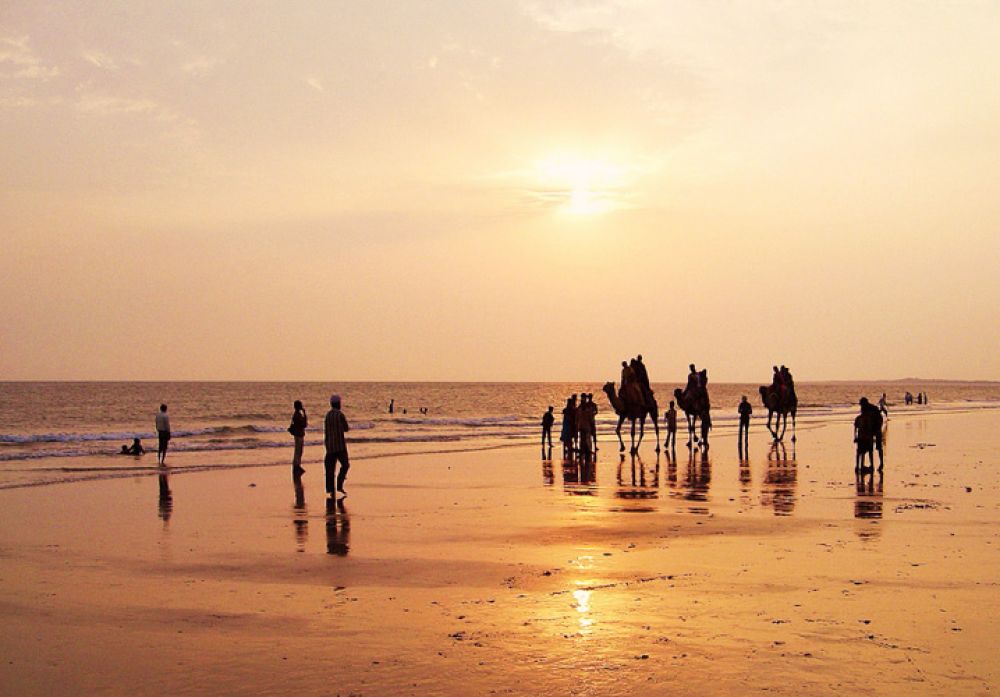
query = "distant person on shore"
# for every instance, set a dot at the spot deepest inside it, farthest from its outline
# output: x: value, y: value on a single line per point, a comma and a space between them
x: 920, y: 398
x: 134, y: 449
x: 392, y: 406
x: 298, y: 430
x: 548, y: 418
x: 882, y: 405
x: 163, y: 434
x: 745, y: 410
x: 926, y: 401
x: 334, y: 427
x: 670, y: 425
x: 907, y: 398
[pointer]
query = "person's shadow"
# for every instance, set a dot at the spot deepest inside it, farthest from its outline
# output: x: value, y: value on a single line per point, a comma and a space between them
x: 338, y: 528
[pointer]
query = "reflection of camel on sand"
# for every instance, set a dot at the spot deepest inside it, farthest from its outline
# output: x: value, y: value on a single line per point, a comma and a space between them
x: 778, y: 488
x: 633, y: 411
x: 775, y: 403
x: 634, y: 483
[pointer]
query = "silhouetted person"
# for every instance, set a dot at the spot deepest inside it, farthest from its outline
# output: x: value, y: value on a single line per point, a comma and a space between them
x: 882, y: 405
x: 670, y: 423
x: 745, y: 410
x: 567, y: 433
x: 778, y: 383
x: 392, y: 406
x: 592, y: 415
x: 583, y: 426
x: 926, y: 401
x: 334, y: 427
x: 786, y: 377
x: 920, y: 398
x: 864, y: 435
x: 548, y: 418
x: 875, y: 415
x: 693, y: 383
x: 338, y: 528
x: 298, y: 430
x: 136, y: 448
x: 163, y: 434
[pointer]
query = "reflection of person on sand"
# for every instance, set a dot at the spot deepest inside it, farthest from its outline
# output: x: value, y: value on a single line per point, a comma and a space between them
x: 301, y: 519
x: 334, y: 428
x: 166, y: 501
x: 163, y: 434
x: 338, y: 528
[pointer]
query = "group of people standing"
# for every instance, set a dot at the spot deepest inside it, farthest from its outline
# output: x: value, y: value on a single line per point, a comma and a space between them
x: 334, y: 427
x: 921, y: 398
x: 868, y: 435
x: 579, y: 426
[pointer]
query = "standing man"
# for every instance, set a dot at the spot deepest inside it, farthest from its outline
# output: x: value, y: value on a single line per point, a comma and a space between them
x: 670, y: 422
x: 334, y: 428
x: 745, y: 411
x: 548, y: 418
x: 163, y: 431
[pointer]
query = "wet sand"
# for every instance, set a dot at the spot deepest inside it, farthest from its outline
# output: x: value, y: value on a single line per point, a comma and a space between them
x: 497, y: 572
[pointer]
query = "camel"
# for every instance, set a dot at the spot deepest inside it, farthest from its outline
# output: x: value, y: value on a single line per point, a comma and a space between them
x: 782, y: 407
x: 632, y: 412
x: 695, y: 409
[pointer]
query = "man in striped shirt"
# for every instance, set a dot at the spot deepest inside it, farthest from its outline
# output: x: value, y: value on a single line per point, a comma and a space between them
x: 334, y: 429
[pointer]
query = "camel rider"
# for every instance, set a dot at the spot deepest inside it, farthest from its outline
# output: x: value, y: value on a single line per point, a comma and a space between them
x: 777, y: 383
x: 630, y: 391
x: 693, y: 384
x: 643, y: 376
x: 786, y: 377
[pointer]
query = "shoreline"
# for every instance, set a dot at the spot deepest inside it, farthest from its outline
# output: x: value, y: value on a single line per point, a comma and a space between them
x: 493, y: 570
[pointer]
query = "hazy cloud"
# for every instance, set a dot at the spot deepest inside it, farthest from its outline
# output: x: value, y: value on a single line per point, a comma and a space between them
x: 18, y: 60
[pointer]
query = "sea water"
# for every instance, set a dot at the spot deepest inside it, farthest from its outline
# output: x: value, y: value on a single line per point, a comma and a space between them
x: 66, y: 431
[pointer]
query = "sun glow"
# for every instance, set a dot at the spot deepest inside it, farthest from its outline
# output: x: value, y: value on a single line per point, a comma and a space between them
x: 581, y: 186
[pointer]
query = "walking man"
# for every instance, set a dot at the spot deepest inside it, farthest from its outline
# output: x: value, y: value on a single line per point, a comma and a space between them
x: 670, y: 422
x: 163, y: 432
x: 745, y: 411
x: 548, y: 418
x: 334, y: 428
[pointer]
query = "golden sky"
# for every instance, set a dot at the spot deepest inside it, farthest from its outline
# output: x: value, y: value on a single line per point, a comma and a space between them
x: 499, y: 190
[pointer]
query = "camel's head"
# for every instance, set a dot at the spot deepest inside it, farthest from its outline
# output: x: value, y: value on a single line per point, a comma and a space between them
x: 609, y: 388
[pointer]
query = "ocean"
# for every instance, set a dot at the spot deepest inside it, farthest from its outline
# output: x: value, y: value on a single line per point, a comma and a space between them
x: 60, y: 432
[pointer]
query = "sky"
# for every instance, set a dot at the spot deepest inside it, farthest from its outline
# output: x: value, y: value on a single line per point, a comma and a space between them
x: 506, y: 190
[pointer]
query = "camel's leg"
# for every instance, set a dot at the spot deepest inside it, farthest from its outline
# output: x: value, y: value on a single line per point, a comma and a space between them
x: 793, y: 426
x: 618, y: 432
x: 783, y: 418
x: 656, y: 429
x: 704, y: 433
x: 642, y: 429
x: 632, y: 440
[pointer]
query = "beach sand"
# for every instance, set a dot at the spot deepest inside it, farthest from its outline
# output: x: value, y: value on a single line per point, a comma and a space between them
x: 495, y: 572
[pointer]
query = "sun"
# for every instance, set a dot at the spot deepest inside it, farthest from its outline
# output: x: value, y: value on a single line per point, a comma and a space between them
x: 581, y: 186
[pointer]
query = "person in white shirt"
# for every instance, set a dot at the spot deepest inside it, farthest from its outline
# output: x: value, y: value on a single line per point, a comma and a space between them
x: 163, y: 431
